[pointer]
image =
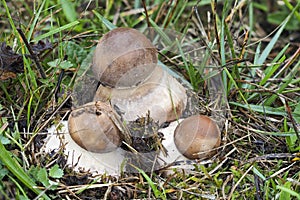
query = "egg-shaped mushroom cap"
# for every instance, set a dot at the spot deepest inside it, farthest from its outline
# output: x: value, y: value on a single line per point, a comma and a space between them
x: 92, y: 129
x: 197, y: 134
x: 123, y: 58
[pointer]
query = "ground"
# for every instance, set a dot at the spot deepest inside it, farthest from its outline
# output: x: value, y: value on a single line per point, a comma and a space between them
x: 252, y: 47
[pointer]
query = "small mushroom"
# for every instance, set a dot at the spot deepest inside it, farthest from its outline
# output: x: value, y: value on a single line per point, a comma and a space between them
x: 92, y: 129
x: 124, y: 57
x: 197, y: 134
x: 161, y: 95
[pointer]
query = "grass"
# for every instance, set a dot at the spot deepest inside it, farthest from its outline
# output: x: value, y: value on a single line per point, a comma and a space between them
x: 251, y: 48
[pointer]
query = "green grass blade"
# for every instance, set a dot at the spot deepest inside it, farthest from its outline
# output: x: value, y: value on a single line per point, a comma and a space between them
x: 288, y: 191
x: 161, y: 33
x: 166, y: 18
x: 290, y: 6
x: 207, y: 55
x: 18, y: 186
x: 235, y: 71
x: 292, y: 140
x: 156, y: 192
x: 57, y: 30
x: 269, y: 72
x: 271, y: 69
x: 17, y: 170
x: 36, y: 17
x: 69, y: 10
x: 257, y: 52
x: 277, y: 134
x: 191, y: 74
x: 182, y: 8
x: 222, y: 52
x: 107, y: 23
x: 12, y: 24
x: 289, y: 77
x: 271, y: 44
x: 235, y: 85
x: 258, y: 173
x: 261, y: 109
x: 251, y: 24
x: 280, y: 54
x: 7, y: 95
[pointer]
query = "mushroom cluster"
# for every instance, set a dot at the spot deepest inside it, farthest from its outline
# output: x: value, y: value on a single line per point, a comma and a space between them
x: 131, y: 86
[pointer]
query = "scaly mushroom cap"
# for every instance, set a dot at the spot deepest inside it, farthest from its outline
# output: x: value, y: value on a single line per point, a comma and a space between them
x: 92, y: 129
x: 162, y: 95
x: 197, y: 134
x: 124, y: 57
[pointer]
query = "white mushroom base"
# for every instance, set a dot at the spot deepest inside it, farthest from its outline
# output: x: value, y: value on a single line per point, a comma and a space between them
x: 99, y: 163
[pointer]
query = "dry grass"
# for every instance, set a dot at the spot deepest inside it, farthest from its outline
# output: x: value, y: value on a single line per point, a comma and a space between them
x: 259, y: 156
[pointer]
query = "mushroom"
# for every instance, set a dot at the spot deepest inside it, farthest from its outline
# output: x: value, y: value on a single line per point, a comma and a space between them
x: 79, y: 158
x: 124, y: 57
x: 161, y: 94
x: 125, y: 63
x: 92, y: 128
x: 197, y: 134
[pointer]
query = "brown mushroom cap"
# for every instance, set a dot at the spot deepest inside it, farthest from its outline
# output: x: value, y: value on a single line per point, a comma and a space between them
x: 92, y: 129
x: 197, y: 134
x: 161, y: 94
x: 124, y: 57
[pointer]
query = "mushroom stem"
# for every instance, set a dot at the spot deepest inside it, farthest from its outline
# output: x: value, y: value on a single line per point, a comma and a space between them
x: 161, y: 95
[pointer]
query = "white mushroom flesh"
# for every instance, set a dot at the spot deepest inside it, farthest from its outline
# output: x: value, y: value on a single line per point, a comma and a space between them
x: 161, y: 95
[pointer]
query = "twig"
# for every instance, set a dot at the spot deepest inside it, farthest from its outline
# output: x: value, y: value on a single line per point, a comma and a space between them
x: 146, y: 13
x: 60, y: 77
x: 289, y: 112
x: 269, y: 157
x: 34, y: 56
